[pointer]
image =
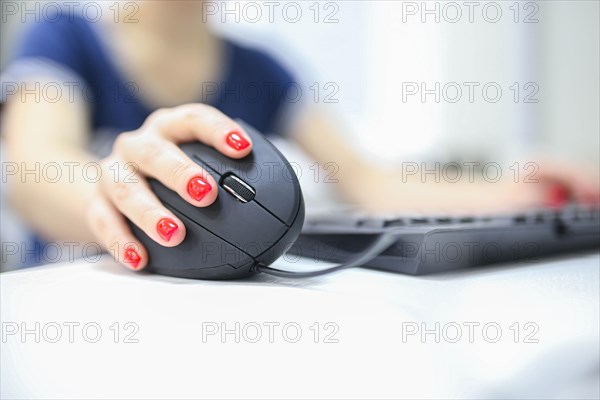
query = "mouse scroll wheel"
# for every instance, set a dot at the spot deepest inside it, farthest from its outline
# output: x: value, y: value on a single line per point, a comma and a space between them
x: 238, y: 188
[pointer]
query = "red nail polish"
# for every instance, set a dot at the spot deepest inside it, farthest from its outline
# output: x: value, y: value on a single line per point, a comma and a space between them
x: 198, y: 188
x: 236, y: 141
x: 132, y: 257
x: 557, y: 196
x: 166, y: 227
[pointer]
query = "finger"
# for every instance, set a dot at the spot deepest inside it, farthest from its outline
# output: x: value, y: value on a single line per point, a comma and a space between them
x: 134, y: 199
x: 162, y: 159
x: 576, y: 183
x: 204, y: 123
x: 111, y: 229
x: 583, y: 188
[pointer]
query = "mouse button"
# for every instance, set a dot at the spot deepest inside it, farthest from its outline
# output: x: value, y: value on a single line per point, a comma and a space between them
x: 271, y: 183
x: 265, y: 170
x: 200, y: 249
x: 207, y: 157
x: 246, y: 226
x: 211, y: 249
x: 237, y: 187
x: 280, y: 195
x: 263, y: 157
x: 273, y: 178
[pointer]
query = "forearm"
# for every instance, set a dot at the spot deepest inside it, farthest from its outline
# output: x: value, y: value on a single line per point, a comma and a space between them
x: 44, y: 166
x: 54, y: 207
x: 387, y: 189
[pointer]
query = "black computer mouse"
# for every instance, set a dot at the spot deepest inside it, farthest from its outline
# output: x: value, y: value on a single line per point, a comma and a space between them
x: 257, y: 216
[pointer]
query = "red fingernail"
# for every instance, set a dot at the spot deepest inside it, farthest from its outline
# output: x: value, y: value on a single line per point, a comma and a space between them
x: 557, y: 196
x: 132, y: 257
x: 166, y: 227
x: 236, y: 141
x: 198, y: 188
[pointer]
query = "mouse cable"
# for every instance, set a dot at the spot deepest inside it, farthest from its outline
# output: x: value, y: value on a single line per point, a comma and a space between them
x: 379, y: 246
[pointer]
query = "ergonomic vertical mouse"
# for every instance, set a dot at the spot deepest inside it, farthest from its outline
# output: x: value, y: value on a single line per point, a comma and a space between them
x: 257, y: 216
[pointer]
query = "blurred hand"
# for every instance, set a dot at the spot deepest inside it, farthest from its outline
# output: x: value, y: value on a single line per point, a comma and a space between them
x: 152, y: 151
x: 561, y: 182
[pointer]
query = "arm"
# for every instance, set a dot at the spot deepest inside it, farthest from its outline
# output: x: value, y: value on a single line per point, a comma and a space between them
x: 44, y: 132
x: 382, y: 189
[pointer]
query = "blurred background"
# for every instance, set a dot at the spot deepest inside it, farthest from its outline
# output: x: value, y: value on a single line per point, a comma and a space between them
x: 434, y: 81
x: 376, y: 47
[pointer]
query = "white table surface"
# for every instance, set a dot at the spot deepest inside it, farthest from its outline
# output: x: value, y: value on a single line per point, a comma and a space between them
x: 372, y: 310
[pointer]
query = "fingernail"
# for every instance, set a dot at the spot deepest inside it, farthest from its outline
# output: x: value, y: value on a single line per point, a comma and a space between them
x: 557, y: 196
x: 166, y: 227
x: 132, y: 257
x: 198, y: 188
x: 236, y: 141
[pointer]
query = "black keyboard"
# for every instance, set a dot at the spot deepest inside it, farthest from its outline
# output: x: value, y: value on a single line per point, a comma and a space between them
x: 429, y: 244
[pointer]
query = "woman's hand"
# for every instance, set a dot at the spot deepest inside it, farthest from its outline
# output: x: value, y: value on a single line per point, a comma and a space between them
x: 563, y: 182
x: 152, y: 151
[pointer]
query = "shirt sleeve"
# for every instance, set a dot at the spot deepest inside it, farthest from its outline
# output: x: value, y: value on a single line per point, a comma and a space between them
x: 48, y: 52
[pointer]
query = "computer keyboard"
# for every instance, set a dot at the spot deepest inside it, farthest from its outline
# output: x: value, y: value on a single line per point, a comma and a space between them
x: 436, y: 243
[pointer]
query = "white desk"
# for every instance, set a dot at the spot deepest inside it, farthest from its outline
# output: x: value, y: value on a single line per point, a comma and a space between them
x: 371, y: 309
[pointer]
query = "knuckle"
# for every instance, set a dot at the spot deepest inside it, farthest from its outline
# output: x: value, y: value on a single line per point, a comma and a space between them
x: 198, y: 112
x: 123, y: 142
x: 149, y: 150
x: 221, y: 123
x: 147, y: 216
x: 157, y: 116
x: 121, y: 191
x: 193, y: 110
x: 219, y: 127
x: 180, y: 171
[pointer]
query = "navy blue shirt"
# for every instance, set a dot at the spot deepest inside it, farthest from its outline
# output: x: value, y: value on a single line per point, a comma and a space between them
x: 254, y: 87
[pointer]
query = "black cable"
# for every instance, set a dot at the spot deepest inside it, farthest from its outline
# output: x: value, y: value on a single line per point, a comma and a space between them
x: 379, y: 246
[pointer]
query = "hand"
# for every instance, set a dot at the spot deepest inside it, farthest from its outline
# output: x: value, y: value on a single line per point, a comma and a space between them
x: 554, y: 185
x: 561, y: 182
x: 153, y: 150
